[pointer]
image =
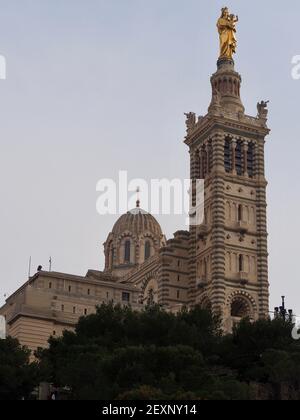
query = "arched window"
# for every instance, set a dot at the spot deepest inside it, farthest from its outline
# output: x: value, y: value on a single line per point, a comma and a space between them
x: 240, y: 213
x: 205, y: 269
x: 127, y: 256
x: 206, y: 305
x: 147, y: 250
x: 241, y: 263
x: 250, y: 160
x: 227, y: 156
x: 239, y: 158
x: 112, y: 257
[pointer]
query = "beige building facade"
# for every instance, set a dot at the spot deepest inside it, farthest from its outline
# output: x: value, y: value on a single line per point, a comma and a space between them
x: 221, y: 265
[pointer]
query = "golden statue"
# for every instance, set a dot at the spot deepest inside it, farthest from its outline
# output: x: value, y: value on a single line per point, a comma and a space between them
x: 227, y: 31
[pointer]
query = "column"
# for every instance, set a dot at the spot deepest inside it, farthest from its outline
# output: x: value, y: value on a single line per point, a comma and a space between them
x: 256, y: 169
x: 207, y: 158
x: 201, y: 164
x: 218, y: 224
x: 262, y: 241
x: 193, y: 233
x: 204, y: 159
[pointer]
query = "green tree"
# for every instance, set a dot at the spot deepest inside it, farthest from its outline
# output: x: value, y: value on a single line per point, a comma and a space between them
x: 18, y: 377
x: 143, y: 393
x: 252, y: 345
x: 119, y: 353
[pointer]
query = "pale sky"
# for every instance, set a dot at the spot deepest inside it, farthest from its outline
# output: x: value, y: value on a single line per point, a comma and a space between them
x: 98, y: 86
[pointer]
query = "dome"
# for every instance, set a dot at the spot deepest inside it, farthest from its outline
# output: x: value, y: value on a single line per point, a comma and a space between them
x: 134, y: 239
x: 137, y: 222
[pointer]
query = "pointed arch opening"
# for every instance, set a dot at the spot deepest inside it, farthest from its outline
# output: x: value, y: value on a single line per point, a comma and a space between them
x: 240, y: 308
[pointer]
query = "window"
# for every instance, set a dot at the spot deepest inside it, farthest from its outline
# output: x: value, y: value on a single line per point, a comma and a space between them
x: 240, y: 213
x: 126, y: 297
x: 178, y: 294
x: 127, y: 252
x: 250, y: 160
x: 89, y: 292
x: 85, y: 312
x: 147, y: 250
x: 241, y: 263
x: 205, y: 269
x: 50, y: 285
x: 112, y: 257
x: 54, y: 333
x: 239, y: 158
x: 74, y: 310
x: 227, y: 156
x: 70, y: 289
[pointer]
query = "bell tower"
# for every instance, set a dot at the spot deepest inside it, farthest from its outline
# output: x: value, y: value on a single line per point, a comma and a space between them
x: 228, y: 251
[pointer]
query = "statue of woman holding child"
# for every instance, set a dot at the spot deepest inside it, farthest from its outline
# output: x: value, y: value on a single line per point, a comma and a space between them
x: 227, y: 31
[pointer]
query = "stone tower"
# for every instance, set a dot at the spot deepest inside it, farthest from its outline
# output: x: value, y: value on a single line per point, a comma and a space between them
x: 228, y: 251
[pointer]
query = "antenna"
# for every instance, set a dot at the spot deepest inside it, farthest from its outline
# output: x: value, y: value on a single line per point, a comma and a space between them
x: 50, y: 264
x: 29, y: 268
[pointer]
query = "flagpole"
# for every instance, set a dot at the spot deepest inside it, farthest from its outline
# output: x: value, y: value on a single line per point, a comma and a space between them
x: 29, y: 268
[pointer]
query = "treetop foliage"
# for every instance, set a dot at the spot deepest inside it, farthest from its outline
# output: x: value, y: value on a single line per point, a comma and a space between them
x: 119, y: 353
